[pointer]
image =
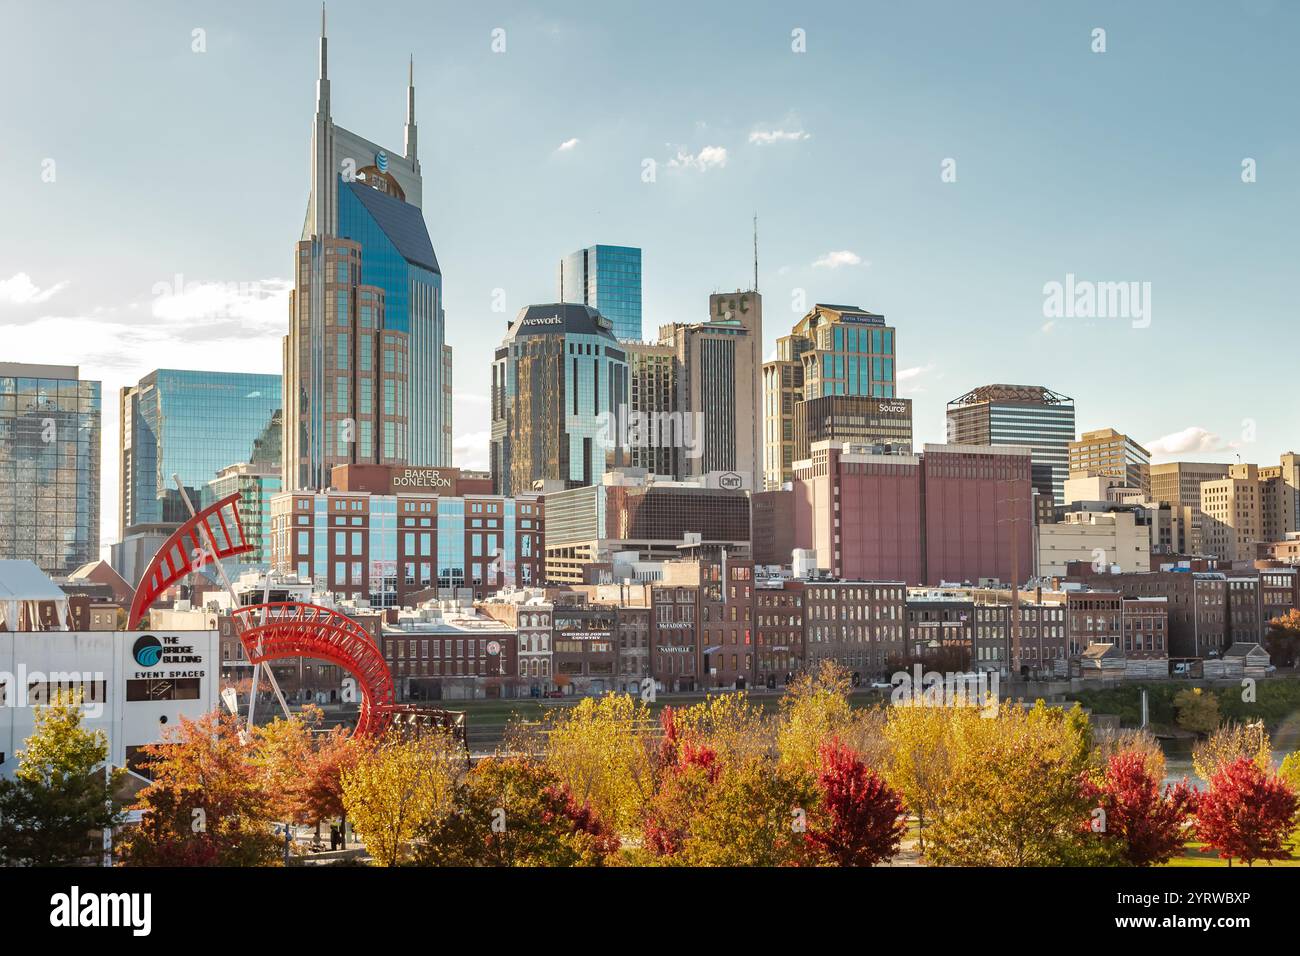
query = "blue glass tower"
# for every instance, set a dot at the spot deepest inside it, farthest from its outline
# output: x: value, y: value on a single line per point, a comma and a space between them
x: 607, y: 278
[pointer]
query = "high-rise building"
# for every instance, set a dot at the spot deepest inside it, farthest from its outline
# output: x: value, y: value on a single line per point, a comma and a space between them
x: 1249, y: 507
x: 365, y: 361
x: 883, y: 422
x: 719, y: 385
x: 655, y: 425
x: 256, y: 485
x: 1025, y: 415
x: 1106, y: 452
x: 607, y: 278
x: 1178, y: 483
x: 192, y: 424
x: 834, y: 350
x: 49, y: 466
x: 559, y: 390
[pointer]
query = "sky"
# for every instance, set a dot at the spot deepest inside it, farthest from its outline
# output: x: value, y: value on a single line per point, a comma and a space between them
x: 942, y: 163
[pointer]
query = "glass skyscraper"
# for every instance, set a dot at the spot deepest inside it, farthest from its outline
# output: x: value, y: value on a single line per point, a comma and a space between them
x: 607, y: 278
x: 49, y: 466
x: 192, y: 424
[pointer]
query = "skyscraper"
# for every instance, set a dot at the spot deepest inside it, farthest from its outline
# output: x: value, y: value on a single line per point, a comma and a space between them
x: 1106, y: 452
x: 365, y: 361
x: 607, y: 278
x: 192, y: 424
x: 1022, y: 415
x: 559, y: 389
x: 49, y: 466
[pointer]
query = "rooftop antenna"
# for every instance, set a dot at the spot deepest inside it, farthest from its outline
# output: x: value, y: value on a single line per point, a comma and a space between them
x: 755, y: 252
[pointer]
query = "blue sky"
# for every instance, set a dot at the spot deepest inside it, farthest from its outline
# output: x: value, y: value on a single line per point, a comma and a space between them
x: 1122, y: 166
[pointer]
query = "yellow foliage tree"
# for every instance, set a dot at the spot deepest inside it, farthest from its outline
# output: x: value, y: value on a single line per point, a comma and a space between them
x: 814, y: 709
x: 919, y: 760
x: 603, y: 750
x: 732, y: 725
x: 399, y: 787
x: 1228, y: 743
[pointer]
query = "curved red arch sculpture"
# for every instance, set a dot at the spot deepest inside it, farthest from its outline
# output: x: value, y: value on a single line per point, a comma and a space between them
x: 214, y: 533
x: 294, y: 629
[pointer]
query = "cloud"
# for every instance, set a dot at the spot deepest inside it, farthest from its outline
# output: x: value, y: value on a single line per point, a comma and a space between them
x: 833, y: 260
x: 1193, y: 438
x: 19, y: 289
x: 470, y: 451
x: 567, y: 145
x: 765, y: 137
x: 210, y: 309
x: 1048, y: 326
x: 710, y: 157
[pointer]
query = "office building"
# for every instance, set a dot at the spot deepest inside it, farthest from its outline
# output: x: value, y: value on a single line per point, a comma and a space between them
x: 655, y: 425
x: 1119, y: 539
x: 256, y: 485
x: 365, y: 360
x: 1179, y: 484
x: 49, y: 466
x: 559, y: 399
x: 1106, y: 452
x: 885, y: 423
x: 608, y: 279
x: 1023, y: 415
x: 191, y: 424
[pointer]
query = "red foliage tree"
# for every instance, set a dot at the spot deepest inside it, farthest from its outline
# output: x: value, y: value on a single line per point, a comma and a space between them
x: 861, y: 819
x: 688, y: 772
x: 1247, y: 813
x: 1148, y: 826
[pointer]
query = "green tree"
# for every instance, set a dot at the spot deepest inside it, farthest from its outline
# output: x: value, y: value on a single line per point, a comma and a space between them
x: 1229, y: 742
x: 814, y: 709
x: 61, y: 797
x: 1197, y: 711
x: 515, y: 812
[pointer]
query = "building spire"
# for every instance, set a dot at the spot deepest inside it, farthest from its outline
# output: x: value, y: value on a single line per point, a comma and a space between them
x: 411, y: 144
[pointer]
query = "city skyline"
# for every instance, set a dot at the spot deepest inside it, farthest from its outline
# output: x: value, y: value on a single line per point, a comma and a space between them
x: 198, y: 277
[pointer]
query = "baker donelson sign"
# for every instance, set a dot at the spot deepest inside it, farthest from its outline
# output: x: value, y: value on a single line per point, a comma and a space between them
x: 421, y: 478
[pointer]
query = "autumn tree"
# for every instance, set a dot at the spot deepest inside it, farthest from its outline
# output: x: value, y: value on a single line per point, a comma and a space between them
x: 814, y: 708
x: 1282, y: 640
x: 920, y: 759
x: 1013, y: 797
x: 602, y: 750
x: 860, y: 819
x: 1196, y: 710
x: 515, y: 811
x: 1127, y: 741
x: 755, y: 814
x: 732, y: 726
x: 398, y: 788
x: 1144, y: 825
x: 207, y: 804
x: 1229, y: 742
x: 60, y: 796
x: 1247, y: 813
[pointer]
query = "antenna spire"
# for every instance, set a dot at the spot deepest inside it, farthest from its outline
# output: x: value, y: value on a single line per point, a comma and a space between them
x: 755, y: 252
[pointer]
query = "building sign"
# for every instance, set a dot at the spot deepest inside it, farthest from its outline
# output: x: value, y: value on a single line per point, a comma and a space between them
x: 730, y: 480
x: 678, y: 649
x: 381, y: 161
x: 898, y: 407
x: 166, y: 656
x: 422, y: 478
x: 544, y: 320
x: 676, y: 625
x: 493, y: 648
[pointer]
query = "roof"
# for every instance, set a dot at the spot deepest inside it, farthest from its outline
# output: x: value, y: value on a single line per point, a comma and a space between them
x: 1030, y: 394
x: 402, y: 223
x: 1244, y: 649
x: 559, y: 318
x: 24, y: 581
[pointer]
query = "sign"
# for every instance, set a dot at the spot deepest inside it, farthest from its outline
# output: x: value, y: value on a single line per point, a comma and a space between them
x: 421, y: 478
x: 730, y: 480
x: 153, y: 654
x: 493, y: 648
x: 381, y: 160
x: 898, y: 407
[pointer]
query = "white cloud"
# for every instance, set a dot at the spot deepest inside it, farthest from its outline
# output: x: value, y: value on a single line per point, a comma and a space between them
x: 1193, y: 438
x: 833, y: 260
x: 710, y: 157
x: 765, y: 137
x: 260, y: 306
x: 19, y: 289
x: 470, y: 450
x: 567, y: 145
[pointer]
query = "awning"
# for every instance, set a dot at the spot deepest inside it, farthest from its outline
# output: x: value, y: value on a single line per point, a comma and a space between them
x: 713, y: 650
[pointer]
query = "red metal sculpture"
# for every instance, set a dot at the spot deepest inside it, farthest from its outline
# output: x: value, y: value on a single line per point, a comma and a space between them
x: 293, y: 629
x: 214, y: 533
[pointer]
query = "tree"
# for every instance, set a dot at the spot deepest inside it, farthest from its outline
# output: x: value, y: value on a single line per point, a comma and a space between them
x: 400, y: 787
x: 207, y: 804
x: 754, y: 815
x: 1197, y: 711
x: 60, y: 795
x: 920, y: 763
x: 515, y: 812
x: 1247, y: 813
x: 1229, y: 742
x: 1282, y: 640
x: 731, y: 725
x: 334, y: 754
x: 1144, y: 825
x: 814, y: 709
x: 861, y: 819
x: 601, y: 750
x: 1013, y: 797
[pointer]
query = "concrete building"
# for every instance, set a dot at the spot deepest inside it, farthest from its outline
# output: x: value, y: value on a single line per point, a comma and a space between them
x: 882, y: 422
x: 655, y: 426
x: 365, y: 360
x: 1021, y: 415
x: 1179, y: 484
x: 49, y: 466
x: 1110, y: 539
x: 1109, y: 453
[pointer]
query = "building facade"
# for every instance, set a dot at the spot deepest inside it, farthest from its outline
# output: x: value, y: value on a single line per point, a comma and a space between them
x: 1108, y: 453
x: 1024, y: 415
x: 1179, y: 484
x: 49, y: 466
x: 608, y: 279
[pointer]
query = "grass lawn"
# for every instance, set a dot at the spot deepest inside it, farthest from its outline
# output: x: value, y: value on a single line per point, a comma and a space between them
x: 1196, y: 854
